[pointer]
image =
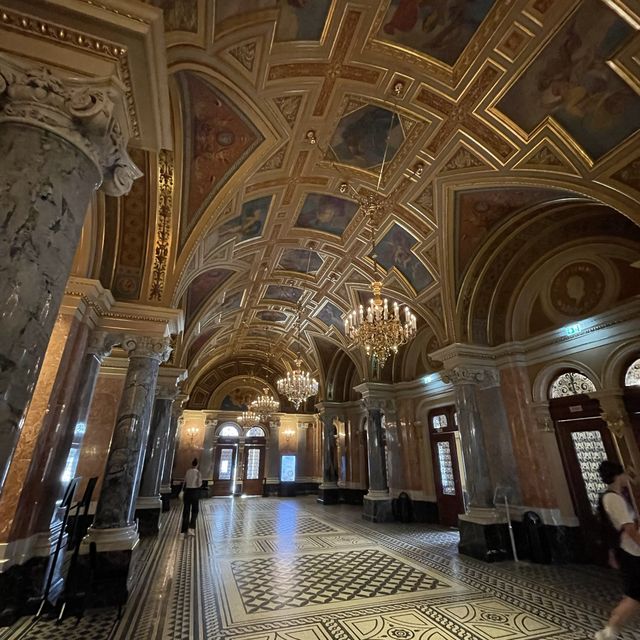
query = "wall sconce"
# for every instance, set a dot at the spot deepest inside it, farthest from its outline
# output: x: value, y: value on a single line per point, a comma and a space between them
x: 191, y: 432
x: 288, y: 434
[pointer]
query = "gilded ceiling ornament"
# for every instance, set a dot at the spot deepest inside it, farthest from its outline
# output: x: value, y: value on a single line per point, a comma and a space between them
x: 245, y: 54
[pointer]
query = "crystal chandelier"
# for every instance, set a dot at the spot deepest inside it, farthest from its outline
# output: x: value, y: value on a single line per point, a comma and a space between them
x: 297, y: 385
x: 248, y: 417
x: 379, y: 328
x: 265, y: 405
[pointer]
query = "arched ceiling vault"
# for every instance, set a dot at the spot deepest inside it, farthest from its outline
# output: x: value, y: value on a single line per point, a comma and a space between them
x: 510, y: 104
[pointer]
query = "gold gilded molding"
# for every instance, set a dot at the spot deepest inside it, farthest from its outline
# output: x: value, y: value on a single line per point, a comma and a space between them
x: 163, y: 224
x: 25, y: 23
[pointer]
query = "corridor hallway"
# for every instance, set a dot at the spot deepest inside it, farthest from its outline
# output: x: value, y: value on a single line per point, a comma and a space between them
x: 291, y: 569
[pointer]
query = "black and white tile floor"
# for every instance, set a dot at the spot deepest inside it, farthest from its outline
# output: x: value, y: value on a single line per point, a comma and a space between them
x: 274, y: 569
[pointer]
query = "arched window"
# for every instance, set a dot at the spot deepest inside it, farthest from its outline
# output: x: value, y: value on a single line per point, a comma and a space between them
x: 571, y: 383
x: 229, y: 432
x: 632, y: 377
x: 255, y: 432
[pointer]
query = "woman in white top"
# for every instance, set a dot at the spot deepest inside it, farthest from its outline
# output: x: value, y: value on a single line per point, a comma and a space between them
x: 192, y: 484
x: 624, y: 519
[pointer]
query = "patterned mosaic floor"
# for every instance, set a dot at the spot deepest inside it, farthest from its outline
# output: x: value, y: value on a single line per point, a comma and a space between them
x: 270, y: 569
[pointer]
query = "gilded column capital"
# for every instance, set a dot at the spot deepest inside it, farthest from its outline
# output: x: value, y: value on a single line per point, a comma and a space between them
x: 101, y: 343
x: 76, y: 110
x: 147, y: 347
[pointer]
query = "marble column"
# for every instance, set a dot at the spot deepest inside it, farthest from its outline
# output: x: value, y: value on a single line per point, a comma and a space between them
x: 59, y: 140
x: 149, y: 502
x: 328, y: 492
x: 377, y: 501
x: 172, y: 440
x: 72, y: 431
x: 483, y: 533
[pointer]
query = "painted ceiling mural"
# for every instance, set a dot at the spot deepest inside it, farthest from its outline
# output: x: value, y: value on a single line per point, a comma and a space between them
x: 218, y: 138
x: 326, y: 213
x: 573, y: 82
x: 481, y: 111
x: 440, y: 29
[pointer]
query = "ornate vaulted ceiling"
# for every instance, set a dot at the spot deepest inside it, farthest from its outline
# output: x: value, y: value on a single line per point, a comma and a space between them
x: 504, y: 119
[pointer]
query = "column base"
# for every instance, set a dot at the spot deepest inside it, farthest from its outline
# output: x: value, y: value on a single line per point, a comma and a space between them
x: 328, y: 494
x: 21, y: 587
x: 148, y: 515
x: 165, y: 496
x: 484, y: 535
x: 377, y: 507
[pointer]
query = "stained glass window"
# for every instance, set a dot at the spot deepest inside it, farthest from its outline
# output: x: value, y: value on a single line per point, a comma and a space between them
x: 226, y: 464
x: 229, y: 432
x: 440, y: 422
x: 632, y: 377
x: 253, y: 464
x: 446, y: 469
x: 591, y: 452
x: 571, y: 383
x: 255, y: 432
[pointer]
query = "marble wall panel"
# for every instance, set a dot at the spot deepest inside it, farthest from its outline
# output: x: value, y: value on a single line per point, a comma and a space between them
x: 190, y: 445
x: 100, y: 425
x: 533, y: 467
x: 47, y: 389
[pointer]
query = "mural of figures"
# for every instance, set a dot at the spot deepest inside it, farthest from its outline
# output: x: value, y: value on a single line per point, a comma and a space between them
x: 394, y: 250
x: 239, y: 399
x: 298, y: 259
x: 572, y: 82
x: 331, y: 316
x: 361, y: 137
x: 245, y: 226
x: 287, y: 294
x: 478, y: 211
x: 202, y: 287
x: 439, y: 28
x: 301, y: 19
x: 272, y: 316
x: 326, y: 213
x: 218, y: 139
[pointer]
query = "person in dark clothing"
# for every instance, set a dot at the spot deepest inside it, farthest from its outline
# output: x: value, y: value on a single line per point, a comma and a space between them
x: 192, y: 484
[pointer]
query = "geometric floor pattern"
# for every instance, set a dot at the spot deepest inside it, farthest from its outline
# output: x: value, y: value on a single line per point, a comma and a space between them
x: 291, y: 569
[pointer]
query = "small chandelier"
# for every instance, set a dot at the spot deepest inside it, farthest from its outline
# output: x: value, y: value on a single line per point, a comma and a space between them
x: 265, y: 405
x: 379, y: 329
x: 248, y: 417
x: 297, y: 385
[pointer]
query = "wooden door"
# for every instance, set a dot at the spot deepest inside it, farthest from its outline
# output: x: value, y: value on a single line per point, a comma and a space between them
x: 444, y: 454
x: 253, y: 476
x: 584, y: 441
x: 224, y: 468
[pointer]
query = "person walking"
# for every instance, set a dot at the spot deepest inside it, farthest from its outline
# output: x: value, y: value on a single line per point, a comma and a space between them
x: 624, y: 520
x: 192, y: 484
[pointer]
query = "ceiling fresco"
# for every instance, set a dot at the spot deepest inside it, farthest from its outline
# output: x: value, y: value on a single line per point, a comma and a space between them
x: 218, y: 138
x: 480, y: 113
x: 572, y: 80
x: 326, y: 213
x: 440, y: 29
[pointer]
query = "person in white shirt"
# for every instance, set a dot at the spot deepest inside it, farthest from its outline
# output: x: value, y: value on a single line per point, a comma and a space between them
x: 624, y: 520
x: 192, y: 484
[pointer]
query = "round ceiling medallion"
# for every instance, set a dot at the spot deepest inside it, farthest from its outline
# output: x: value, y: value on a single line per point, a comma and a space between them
x: 577, y: 289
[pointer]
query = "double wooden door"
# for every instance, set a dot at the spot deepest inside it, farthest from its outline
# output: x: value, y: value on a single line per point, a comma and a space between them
x: 253, y: 472
x: 584, y: 441
x: 444, y: 454
x: 224, y: 468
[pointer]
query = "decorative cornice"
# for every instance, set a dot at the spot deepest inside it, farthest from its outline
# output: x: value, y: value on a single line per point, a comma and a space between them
x: 485, y: 378
x: 163, y: 224
x: 83, y: 41
x: 146, y: 347
x: 78, y: 111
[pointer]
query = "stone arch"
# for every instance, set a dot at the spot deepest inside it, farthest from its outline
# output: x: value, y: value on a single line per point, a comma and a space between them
x: 617, y: 363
